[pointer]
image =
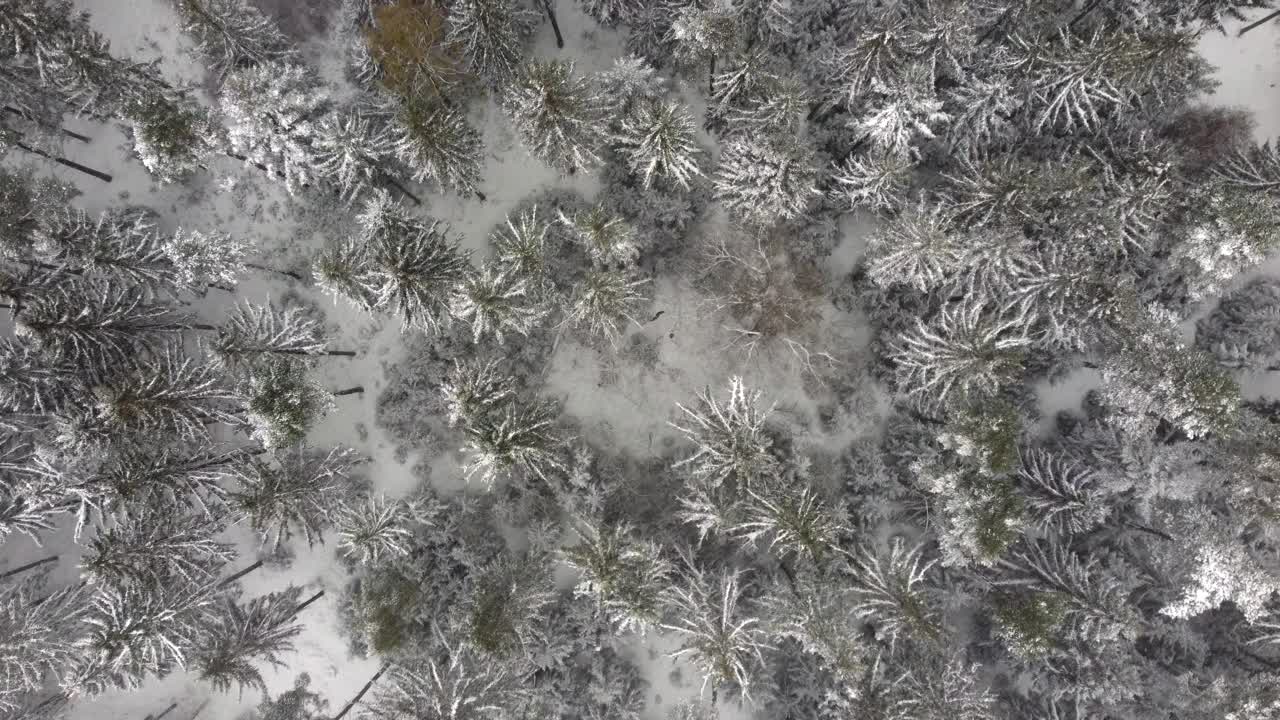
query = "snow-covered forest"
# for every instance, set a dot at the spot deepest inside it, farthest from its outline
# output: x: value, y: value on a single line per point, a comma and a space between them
x: 639, y: 359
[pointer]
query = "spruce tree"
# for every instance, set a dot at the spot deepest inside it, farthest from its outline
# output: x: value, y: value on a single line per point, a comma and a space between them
x: 352, y: 149
x: 274, y: 112
x: 231, y: 34
x: 439, y: 145
x: 250, y: 332
x: 282, y: 401
x: 173, y: 138
x: 262, y: 629
x: 491, y: 35
x: 294, y: 493
x: 149, y: 546
x: 98, y: 325
x: 766, y: 180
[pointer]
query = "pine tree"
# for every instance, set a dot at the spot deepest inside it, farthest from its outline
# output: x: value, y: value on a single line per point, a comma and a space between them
x: 766, y: 180
x: 150, y: 546
x: 207, y: 259
x: 438, y: 143
x: 373, y: 528
x: 603, y: 302
x: 97, y: 325
x: 416, y: 265
x: 623, y: 574
x: 273, y: 114
x: 351, y: 149
x: 283, y: 402
x: 608, y: 239
x: 232, y: 34
x: 473, y: 389
x: 789, y: 522
x: 494, y: 302
x: 657, y: 137
x: 821, y: 616
x: 888, y: 590
x: 263, y: 629
x: 517, y: 436
x: 491, y: 35
x: 1250, y: 168
x: 724, y: 643
x: 520, y: 244
x: 166, y: 396
x: 733, y: 445
x: 38, y: 639
x: 173, y: 138
x: 557, y: 116
x: 296, y: 493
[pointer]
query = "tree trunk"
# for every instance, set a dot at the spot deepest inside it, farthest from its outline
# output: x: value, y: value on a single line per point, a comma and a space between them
x: 482, y: 196
x: 711, y: 78
x: 65, y: 162
x: 286, y: 273
x: 199, y: 710
x: 347, y: 708
x: 164, y: 712
x: 1087, y: 9
x: 28, y: 566
x: 398, y: 186
x: 340, y: 353
x: 303, y: 605
x: 1004, y: 17
x: 73, y: 135
x: 1263, y: 21
x: 257, y: 564
x: 555, y: 27
x: 349, y: 391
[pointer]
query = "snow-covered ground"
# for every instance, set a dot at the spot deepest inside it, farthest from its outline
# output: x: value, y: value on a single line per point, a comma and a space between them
x: 618, y: 400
